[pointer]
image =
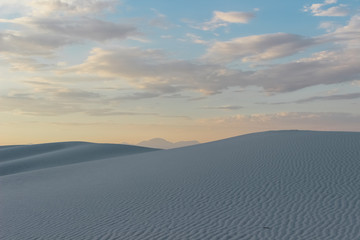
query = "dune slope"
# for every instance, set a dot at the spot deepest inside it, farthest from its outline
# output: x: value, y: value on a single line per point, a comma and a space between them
x: 15, y: 159
x: 272, y: 185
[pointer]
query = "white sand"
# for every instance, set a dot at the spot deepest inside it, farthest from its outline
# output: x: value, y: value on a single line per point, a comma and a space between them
x: 272, y: 185
x: 14, y: 159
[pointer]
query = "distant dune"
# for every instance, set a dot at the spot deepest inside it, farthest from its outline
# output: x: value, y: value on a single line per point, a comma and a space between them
x: 272, y: 185
x: 14, y: 159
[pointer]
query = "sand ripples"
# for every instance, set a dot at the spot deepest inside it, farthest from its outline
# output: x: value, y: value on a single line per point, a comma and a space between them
x: 274, y: 185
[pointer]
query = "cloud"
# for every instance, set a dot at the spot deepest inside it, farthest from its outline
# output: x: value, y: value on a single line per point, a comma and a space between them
x: 75, y: 94
x: 137, y: 96
x: 152, y: 70
x: 226, y: 107
x: 258, y: 47
x: 356, y: 83
x: 76, y: 7
x: 152, y: 73
x: 334, y: 97
x: 338, y: 11
x: 27, y: 104
x: 47, y: 99
x: 50, y: 25
x: 223, y: 19
x: 196, y: 39
x: 113, y: 112
x: 31, y: 43
x: 85, y: 28
x: 326, y: 121
x: 347, y: 35
x: 322, y: 9
x: 37, y: 82
x: 26, y: 64
x: 329, y: 26
x: 232, y: 17
x: 56, y: 7
x: 331, y: 97
x: 160, y: 21
x: 327, y: 67
x: 155, y: 74
x: 70, y: 30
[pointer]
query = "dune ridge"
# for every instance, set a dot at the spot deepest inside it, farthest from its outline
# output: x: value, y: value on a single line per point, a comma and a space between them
x: 15, y: 159
x: 271, y: 185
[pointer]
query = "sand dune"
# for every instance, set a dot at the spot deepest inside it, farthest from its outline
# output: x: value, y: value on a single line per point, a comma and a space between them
x: 14, y: 159
x: 271, y: 185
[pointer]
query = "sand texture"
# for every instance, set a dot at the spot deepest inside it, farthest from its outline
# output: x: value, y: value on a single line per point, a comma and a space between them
x: 272, y: 185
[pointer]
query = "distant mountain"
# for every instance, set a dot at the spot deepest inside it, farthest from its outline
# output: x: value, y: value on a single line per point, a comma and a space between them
x: 164, y: 144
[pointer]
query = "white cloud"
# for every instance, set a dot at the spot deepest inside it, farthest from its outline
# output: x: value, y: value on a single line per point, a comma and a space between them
x: 223, y: 19
x: 160, y: 21
x: 258, y: 47
x: 31, y: 43
x: 26, y: 64
x: 338, y: 11
x: 48, y: 25
x: 78, y: 28
x: 329, y: 26
x: 196, y: 39
x: 152, y: 70
x: 154, y: 73
x: 322, y: 9
x: 327, y: 67
x: 56, y: 7
x: 232, y: 17
x: 348, y: 35
x: 330, y: 1
x: 84, y: 28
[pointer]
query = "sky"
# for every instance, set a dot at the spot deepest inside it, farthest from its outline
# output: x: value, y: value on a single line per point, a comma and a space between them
x: 124, y: 71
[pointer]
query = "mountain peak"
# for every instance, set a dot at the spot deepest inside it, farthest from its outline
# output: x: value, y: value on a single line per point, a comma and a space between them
x: 164, y: 144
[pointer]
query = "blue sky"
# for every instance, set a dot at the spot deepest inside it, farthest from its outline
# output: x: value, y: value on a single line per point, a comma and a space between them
x: 127, y: 71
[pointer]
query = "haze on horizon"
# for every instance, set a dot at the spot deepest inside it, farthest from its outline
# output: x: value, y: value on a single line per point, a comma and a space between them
x: 128, y: 71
